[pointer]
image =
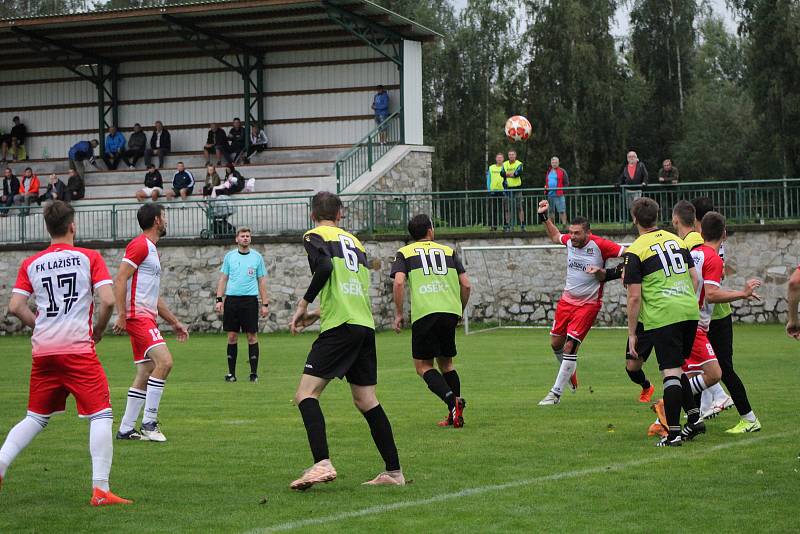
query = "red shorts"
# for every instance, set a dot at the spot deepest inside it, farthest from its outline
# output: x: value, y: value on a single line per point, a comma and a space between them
x: 702, y: 352
x: 573, y: 320
x: 144, y: 336
x: 53, y: 378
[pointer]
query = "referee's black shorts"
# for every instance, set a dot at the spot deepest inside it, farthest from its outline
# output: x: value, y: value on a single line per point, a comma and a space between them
x: 240, y: 314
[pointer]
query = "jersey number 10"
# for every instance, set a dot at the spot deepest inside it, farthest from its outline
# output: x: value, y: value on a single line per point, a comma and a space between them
x: 437, y: 263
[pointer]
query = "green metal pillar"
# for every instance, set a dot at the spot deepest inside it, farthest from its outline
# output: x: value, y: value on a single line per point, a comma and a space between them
x: 401, y: 67
x: 246, y: 79
x: 260, y: 91
x: 101, y: 106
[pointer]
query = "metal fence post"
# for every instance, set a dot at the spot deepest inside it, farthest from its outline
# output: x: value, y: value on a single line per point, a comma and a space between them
x: 114, y: 222
x: 739, y: 202
x: 369, y: 152
x: 371, y: 213
x: 21, y: 226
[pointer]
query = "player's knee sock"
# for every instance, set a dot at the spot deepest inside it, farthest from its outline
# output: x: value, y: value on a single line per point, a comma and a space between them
x: 698, y: 385
x: 101, y: 448
x: 233, y: 352
x: 672, y: 404
x: 381, y: 431
x: 134, y: 407
x: 717, y: 393
x: 569, y: 363
x: 559, y: 354
x: 453, y: 380
x: 155, y: 388
x: 638, y: 377
x: 689, y: 406
x: 253, y: 355
x: 314, y: 422
x: 20, y: 437
x: 438, y: 385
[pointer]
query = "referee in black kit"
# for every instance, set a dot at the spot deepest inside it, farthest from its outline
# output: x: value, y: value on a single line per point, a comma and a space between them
x: 243, y: 281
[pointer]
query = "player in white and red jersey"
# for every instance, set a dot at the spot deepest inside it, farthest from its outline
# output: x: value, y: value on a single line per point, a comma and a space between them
x: 582, y: 297
x: 793, y: 297
x: 139, y: 305
x: 702, y: 368
x: 63, y: 280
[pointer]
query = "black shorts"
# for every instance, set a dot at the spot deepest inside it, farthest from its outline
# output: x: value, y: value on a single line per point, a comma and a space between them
x: 345, y: 351
x: 177, y: 190
x: 644, y: 344
x: 720, y: 335
x: 434, y: 336
x: 240, y: 314
x: 673, y: 343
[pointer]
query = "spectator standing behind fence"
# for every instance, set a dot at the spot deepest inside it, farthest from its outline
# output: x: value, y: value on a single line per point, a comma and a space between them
x: 512, y: 172
x: 236, y: 140
x: 76, y: 187
x: 14, y: 141
x: 80, y: 152
x: 10, y: 190
x: 498, y: 201
x: 160, y: 145
x: 56, y: 190
x: 182, y: 183
x: 153, y: 185
x: 633, y: 178
x: 137, y: 143
x: 234, y: 183
x: 217, y: 142
x: 668, y: 173
x: 258, y: 142
x: 212, y: 180
x: 556, y: 179
x: 28, y: 189
x: 113, y: 149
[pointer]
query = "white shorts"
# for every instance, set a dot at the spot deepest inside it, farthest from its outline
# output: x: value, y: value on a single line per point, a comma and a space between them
x: 150, y: 190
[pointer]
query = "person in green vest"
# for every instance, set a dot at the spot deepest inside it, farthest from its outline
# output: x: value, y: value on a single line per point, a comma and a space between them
x: 512, y: 172
x: 498, y: 198
x: 346, y: 343
x: 439, y: 293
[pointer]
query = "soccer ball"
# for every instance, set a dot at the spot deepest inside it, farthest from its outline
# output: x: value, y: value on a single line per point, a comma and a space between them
x: 518, y: 128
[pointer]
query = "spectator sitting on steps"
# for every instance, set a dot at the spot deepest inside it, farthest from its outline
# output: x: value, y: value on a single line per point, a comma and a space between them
x: 56, y: 190
x: 15, y: 141
x: 153, y: 185
x: 182, y: 183
x: 236, y: 138
x: 137, y: 143
x: 160, y: 145
x: 76, y: 187
x: 10, y: 190
x: 28, y: 189
x: 217, y: 142
x: 258, y: 142
x: 234, y: 183
x: 113, y: 149
x: 212, y: 180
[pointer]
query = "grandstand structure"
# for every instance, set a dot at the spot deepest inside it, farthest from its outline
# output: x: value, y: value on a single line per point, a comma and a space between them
x: 305, y: 70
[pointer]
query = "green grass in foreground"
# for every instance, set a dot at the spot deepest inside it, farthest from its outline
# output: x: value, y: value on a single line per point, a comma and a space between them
x: 584, y: 465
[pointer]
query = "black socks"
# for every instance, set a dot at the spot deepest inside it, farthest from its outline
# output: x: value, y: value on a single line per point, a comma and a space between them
x: 452, y: 379
x: 233, y: 352
x: 315, y: 428
x: 381, y: 432
x: 638, y: 377
x: 438, y: 385
x: 253, y: 355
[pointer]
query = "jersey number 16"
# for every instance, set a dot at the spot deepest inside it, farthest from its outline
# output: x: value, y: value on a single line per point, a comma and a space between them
x: 670, y: 256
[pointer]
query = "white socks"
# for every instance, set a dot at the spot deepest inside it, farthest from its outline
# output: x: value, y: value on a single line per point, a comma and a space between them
x: 101, y: 448
x: 750, y: 417
x: 136, y: 398
x: 155, y: 388
x: 568, y: 364
x: 698, y: 384
x: 20, y: 437
x: 718, y: 393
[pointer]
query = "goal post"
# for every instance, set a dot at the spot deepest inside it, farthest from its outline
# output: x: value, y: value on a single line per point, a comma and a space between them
x: 514, y: 286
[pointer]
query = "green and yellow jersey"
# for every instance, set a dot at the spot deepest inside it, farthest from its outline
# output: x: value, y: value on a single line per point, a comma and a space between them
x: 432, y: 270
x: 693, y: 240
x: 660, y: 262
x: 344, y: 297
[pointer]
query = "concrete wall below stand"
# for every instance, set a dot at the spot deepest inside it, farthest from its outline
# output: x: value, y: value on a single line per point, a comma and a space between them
x: 524, y: 285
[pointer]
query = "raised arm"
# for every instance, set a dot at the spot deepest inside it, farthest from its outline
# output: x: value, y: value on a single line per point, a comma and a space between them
x: 550, y: 228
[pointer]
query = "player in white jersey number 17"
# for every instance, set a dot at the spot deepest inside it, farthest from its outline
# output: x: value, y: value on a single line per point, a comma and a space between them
x: 139, y: 305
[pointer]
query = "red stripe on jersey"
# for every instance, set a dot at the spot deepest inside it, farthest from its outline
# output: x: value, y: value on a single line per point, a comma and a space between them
x: 133, y: 293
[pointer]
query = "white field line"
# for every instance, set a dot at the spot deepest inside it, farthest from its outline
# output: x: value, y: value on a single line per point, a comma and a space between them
x: 468, y: 492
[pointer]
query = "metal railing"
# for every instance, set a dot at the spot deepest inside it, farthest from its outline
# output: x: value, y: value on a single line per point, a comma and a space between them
x: 363, y: 155
x: 754, y: 202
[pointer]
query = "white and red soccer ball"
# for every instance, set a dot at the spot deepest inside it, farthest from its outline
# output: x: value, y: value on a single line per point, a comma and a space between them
x: 518, y: 128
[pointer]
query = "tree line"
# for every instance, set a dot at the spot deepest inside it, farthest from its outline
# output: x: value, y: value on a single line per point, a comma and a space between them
x: 679, y: 85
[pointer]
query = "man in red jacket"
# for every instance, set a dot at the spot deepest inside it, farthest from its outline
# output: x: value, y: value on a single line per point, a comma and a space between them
x: 28, y: 189
x: 555, y: 180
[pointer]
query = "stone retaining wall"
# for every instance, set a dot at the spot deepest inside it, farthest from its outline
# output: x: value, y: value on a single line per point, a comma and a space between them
x: 519, y: 286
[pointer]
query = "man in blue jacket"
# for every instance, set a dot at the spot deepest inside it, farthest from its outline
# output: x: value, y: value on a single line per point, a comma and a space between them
x: 81, y: 151
x: 380, y: 104
x: 182, y: 183
x: 115, y: 146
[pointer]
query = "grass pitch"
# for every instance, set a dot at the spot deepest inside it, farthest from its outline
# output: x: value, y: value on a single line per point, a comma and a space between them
x: 584, y: 465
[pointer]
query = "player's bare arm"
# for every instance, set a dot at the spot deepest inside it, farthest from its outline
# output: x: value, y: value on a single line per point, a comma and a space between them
x: 398, y: 290
x: 550, y: 228
x: 262, y: 293
x: 634, y: 307
x: 124, y: 274
x: 717, y: 295
x: 181, y: 332
x: 18, y: 306
x: 106, y: 300
x: 221, y: 285
x: 466, y: 288
x: 301, y: 318
x: 793, y: 296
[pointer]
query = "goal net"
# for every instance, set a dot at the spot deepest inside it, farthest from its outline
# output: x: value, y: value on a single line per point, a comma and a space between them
x: 518, y: 286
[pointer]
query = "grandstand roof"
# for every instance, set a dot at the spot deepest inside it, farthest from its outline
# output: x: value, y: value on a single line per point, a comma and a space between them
x: 194, y: 29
